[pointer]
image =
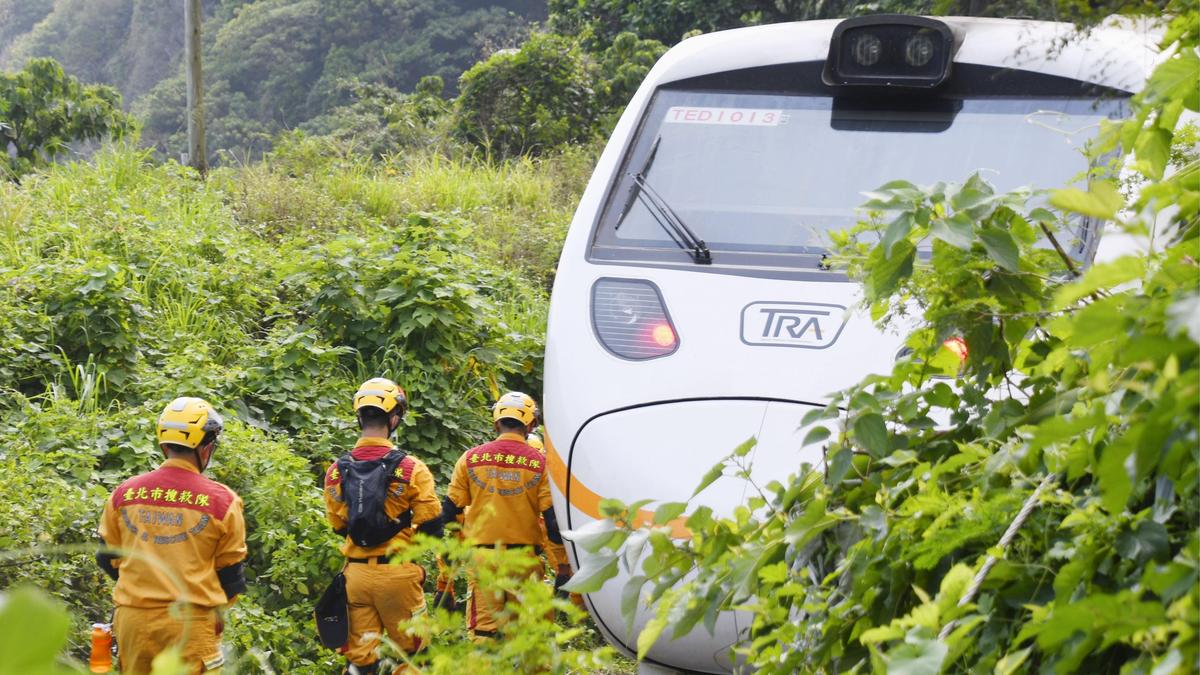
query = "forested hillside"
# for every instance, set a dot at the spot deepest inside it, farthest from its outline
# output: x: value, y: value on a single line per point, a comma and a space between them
x: 270, y: 64
x: 275, y: 65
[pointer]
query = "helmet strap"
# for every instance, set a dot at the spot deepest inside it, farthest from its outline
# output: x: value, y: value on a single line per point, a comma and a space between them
x: 208, y: 441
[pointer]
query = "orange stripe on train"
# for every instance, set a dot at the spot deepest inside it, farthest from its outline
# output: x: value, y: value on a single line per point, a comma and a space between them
x: 587, y: 501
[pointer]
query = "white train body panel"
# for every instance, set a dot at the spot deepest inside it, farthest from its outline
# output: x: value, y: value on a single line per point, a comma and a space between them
x: 634, y: 429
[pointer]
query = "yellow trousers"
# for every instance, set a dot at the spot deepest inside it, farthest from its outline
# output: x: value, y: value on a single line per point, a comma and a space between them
x: 486, y: 614
x: 142, y: 633
x: 380, y: 596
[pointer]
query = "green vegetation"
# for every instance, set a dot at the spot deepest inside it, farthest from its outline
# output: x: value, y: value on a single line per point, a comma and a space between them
x: 1033, y: 507
x: 42, y: 109
x: 529, y: 100
x: 272, y: 290
x: 270, y: 65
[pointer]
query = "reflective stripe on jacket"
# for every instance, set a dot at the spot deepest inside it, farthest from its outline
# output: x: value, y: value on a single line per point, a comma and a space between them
x: 193, y: 525
x: 505, y: 485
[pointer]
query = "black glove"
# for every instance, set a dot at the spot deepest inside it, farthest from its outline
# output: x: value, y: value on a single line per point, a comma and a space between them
x: 446, y: 600
x: 560, y: 579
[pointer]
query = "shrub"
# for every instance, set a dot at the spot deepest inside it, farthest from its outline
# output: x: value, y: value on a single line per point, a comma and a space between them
x: 529, y: 100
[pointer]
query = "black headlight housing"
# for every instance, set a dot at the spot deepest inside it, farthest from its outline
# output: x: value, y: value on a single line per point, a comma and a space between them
x: 889, y: 51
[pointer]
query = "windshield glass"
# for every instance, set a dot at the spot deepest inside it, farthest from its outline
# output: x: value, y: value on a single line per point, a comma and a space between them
x: 773, y: 173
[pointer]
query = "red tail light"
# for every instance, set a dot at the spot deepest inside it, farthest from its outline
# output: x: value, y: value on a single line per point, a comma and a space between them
x: 631, y: 320
x: 958, y: 346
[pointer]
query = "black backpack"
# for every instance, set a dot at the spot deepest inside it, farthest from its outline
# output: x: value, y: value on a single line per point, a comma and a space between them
x: 332, y: 614
x: 365, y: 491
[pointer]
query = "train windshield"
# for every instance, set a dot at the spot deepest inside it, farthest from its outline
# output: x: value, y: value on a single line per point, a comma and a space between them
x: 762, y: 178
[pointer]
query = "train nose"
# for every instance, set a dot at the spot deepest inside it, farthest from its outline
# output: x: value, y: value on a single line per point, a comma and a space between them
x: 661, y: 451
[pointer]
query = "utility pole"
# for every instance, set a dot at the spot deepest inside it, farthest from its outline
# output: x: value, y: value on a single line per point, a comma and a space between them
x: 197, y: 152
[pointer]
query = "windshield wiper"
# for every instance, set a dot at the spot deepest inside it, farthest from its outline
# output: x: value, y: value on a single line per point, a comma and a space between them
x: 663, y: 214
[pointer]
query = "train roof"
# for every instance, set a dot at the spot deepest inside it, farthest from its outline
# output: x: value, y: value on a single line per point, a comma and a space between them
x: 1120, y: 53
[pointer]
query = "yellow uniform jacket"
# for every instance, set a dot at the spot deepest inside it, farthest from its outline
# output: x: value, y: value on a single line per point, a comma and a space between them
x: 411, y: 488
x: 505, y: 485
x: 192, y: 525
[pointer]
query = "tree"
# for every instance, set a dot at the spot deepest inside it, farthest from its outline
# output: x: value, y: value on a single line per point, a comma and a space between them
x: 1048, y: 521
x: 624, y: 65
x: 276, y: 64
x: 529, y: 100
x: 42, y: 109
x: 599, y: 22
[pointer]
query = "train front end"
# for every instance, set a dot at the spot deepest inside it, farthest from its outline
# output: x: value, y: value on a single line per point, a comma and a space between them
x: 694, y: 305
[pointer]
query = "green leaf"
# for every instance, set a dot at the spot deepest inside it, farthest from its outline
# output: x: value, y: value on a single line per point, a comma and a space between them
x: 745, y: 447
x: 1001, y: 247
x: 957, y: 230
x: 839, y: 464
x: 917, y: 656
x: 1101, y: 201
x: 594, y: 535
x: 668, y: 512
x: 649, y: 635
x: 713, y: 474
x: 887, y: 271
x: 1115, y: 479
x: 597, y: 568
x: 631, y: 596
x: 1012, y: 662
x: 1175, y: 80
x: 34, y: 631
x: 881, y: 634
x: 634, y: 546
x: 897, y: 230
x: 871, y: 433
x: 1153, y: 149
x: 776, y: 573
x: 1101, y: 276
x: 815, y: 435
x: 818, y: 414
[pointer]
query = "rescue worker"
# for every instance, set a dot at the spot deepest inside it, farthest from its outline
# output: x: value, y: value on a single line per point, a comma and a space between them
x: 379, y: 594
x: 189, y: 535
x: 503, y: 488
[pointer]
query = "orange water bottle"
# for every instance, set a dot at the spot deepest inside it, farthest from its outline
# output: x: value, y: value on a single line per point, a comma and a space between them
x: 101, y: 659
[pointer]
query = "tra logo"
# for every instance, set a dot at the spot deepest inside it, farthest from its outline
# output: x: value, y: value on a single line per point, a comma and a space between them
x: 808, y: 325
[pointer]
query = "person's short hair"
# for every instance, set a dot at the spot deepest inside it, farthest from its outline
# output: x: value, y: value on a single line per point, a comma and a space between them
x: 177, y: 448
x: 509, y: 424
x: 372, y: 416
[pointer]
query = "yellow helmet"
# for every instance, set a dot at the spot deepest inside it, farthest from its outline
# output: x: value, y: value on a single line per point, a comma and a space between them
x: 187, y: 421
x: 535, y: 442
x: 382, y: 393
x: 516, y: 406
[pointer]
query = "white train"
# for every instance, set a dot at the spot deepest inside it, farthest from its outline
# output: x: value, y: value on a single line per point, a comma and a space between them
x: 692, y: 307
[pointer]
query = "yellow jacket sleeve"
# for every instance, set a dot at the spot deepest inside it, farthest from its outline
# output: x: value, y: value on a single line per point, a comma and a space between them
x: 335, y: 508
x: 110, y: 529
x: 423, y: 502
x: 460, y: 485
x: 543, y: 494
x: 231, y: 549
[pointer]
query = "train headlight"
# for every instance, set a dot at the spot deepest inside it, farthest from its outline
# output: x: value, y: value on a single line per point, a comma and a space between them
x: 867, y: 49
x: 918, y: 50
x: 630, y: 319
x: 889, y: 51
